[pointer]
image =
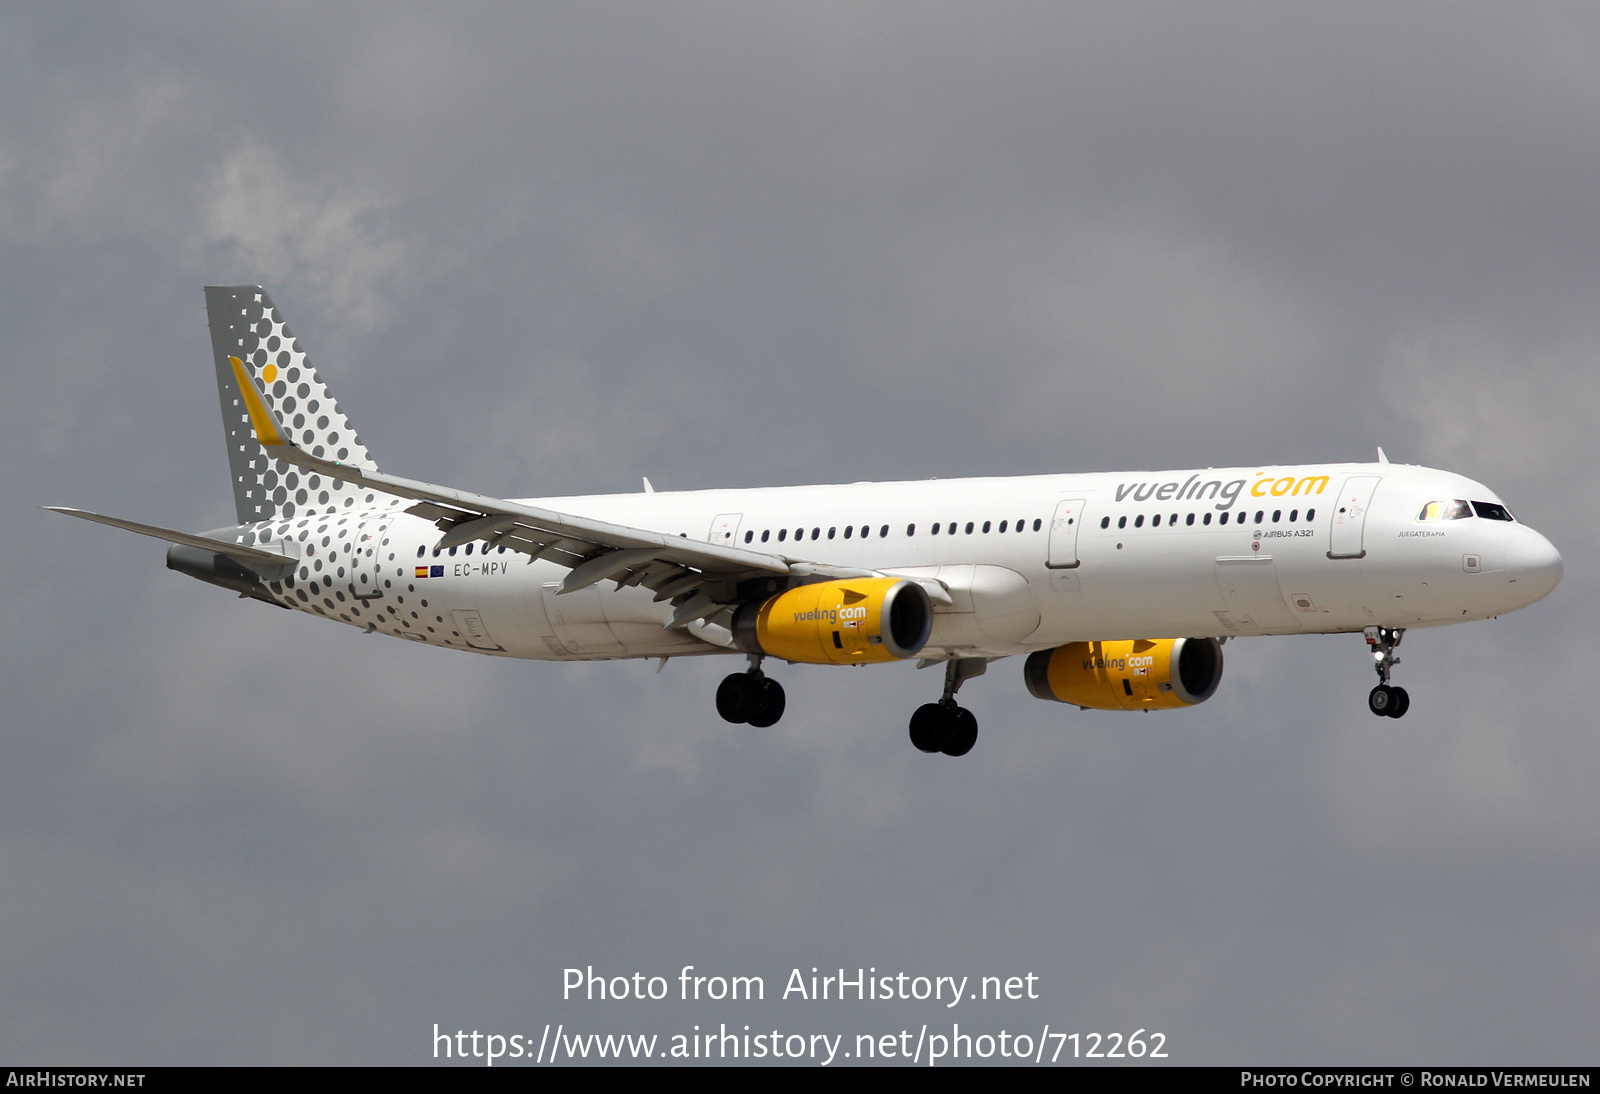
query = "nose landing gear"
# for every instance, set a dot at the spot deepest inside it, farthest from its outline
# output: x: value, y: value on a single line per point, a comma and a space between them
x: 751, y: 697
x: 944, y: 726
x: 1386, y: 699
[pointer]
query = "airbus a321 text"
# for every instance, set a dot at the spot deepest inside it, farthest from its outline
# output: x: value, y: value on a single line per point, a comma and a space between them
x: 1117, y: 589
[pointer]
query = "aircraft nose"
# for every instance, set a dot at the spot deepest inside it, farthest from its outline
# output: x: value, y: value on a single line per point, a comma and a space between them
x: 1534, y: 564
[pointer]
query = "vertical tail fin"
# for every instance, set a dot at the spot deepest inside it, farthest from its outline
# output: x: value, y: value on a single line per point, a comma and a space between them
x: 246, y: 324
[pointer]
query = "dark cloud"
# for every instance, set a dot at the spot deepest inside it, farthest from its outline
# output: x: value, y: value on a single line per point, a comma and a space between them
x: 546, y: 251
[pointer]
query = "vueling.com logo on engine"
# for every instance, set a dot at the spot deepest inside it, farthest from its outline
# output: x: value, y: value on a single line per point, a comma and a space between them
x: 1121, y: 664
x: 831, y: 615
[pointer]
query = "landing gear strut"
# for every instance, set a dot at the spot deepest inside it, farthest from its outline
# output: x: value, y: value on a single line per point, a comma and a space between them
x: 751, y: 697
x: 1386, y: 699
x: 944, y: 726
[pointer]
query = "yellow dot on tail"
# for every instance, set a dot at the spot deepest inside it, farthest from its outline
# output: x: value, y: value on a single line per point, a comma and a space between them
x: 270, y: 373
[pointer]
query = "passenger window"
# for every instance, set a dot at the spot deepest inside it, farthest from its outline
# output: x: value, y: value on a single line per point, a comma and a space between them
x: 765, y: 532
x: 816, y: 533
x: 1189, y: 519
x: 1021, y: 525
x: 867, y: 531
x: 783, y: 534
x: 985, y: 527
x: 1006, y: 523
x: 748, y: 536
x: 831, y: 531
x: 911, y: 529
x: 936, y: 527
x: 1035, y: 524
x: 1311, y: 514
x: 421, y: 551
x: 1105, y: 522
x: 1173, y: 519
x: 452, y: 552
x: 1155, y: 521
x: 1207, y: 520
x: 952, y: 529
x: 1293, y: 515
x: 1277, y: 515
x: 1138, y: 521
x: 849, y: 530
x: 1259, y: 515
x: 969, y: 527
x: 469, y: 548
x: 883, y: 533
x: 1122, y: 522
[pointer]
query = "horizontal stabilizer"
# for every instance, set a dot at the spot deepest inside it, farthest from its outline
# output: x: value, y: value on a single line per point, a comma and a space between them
x: 253, y: 555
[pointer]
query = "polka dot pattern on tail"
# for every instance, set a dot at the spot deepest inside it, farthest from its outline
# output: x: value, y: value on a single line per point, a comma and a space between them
x: 246, y: 324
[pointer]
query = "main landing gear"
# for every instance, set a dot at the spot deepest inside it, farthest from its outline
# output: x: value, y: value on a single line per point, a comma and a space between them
x: 944, y: 726
x: 751, y: 697
x: 1386, y: 699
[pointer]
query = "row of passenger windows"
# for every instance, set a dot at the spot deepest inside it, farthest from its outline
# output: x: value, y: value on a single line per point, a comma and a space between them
x: 850, y: 532
x: 466, y: 550
x: 1434, y: 510
x: 865, y: 530
x: 1222, y: 518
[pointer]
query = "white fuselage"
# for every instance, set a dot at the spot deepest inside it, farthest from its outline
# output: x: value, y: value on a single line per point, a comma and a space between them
x: 1028, y: 563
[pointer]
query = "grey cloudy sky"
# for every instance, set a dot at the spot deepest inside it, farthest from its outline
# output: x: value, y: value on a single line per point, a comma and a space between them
x: 548, y: 249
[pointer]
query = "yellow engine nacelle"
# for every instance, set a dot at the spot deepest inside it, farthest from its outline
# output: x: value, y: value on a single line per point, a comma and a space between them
x: 1144, y: 674
x: 854, y: 622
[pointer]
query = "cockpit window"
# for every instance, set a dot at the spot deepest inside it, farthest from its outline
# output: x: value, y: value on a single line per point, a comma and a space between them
x: 1446, y: 510
x: 1490, y: 510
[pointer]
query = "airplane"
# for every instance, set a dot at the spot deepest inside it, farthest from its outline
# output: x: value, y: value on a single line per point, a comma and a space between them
x: 1117, y: 590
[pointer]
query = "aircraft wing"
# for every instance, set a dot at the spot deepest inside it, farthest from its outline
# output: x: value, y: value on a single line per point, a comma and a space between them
x: 252, y: 555
x: 700, y: 579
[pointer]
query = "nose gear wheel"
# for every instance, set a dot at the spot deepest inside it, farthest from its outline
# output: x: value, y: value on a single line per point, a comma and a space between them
x: 1386, y: 700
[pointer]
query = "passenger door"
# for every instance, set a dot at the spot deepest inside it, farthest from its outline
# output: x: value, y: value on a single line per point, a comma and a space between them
x: 1350, y: 516
x: 1064, y: 534
x: 725, y: 530
x: 367, y: 561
